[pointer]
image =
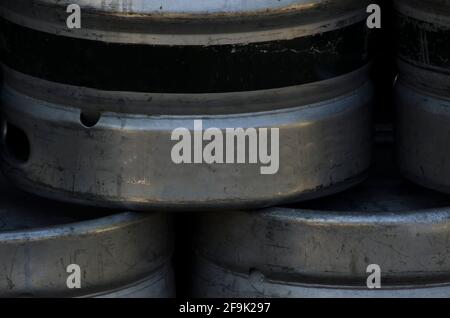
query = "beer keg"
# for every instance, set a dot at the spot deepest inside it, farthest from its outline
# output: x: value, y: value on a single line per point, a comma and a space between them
x: 423, y: 92
x: 50, y: 249
x: 331, y: 247
x: 186, y: 105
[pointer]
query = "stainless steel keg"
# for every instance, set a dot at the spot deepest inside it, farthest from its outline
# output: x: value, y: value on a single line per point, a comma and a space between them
x: 328, y: 247
x: 90, y: 113
x: 44, y: 245
x: 423, y: 92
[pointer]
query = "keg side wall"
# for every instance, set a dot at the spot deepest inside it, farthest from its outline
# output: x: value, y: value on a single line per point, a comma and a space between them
x: 323, y: 148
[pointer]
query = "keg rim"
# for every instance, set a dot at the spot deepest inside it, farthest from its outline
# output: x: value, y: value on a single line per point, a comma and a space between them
x: 84, y: 227
x: 251, y: 25
x: 421, y: 216
x: 163, y: 278
x: 185, y: 105
x: 207, y: 270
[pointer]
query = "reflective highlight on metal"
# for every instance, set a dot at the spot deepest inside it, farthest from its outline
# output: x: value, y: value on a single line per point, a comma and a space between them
x: 423, y: 93
x: 194, y: 22
x: 124, y: 159
x: 323, y: 248
x: 120, y: 255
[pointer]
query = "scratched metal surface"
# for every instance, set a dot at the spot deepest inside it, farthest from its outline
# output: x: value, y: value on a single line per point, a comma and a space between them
x: 120, y: 254
x: 323, y: 248
x: 125, y: 160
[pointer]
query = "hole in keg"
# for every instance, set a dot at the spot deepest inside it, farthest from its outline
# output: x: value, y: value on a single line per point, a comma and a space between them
x: 90, y: 118
x: 16, y: 142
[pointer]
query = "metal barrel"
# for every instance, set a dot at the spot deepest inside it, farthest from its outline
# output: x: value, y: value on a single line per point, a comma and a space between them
x: 44, y: 245
x: 91, y: 115
x: 423, y: 94
x: 329, y: 247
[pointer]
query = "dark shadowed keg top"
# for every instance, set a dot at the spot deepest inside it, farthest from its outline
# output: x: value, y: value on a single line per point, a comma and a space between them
x: 384, y: 192
x: 398, y: 196
x: 20, y: 210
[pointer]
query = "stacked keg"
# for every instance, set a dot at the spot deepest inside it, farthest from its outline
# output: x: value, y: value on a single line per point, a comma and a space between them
x: 44, y: 245
x: 325, y: 248
x: 121, y: 112
x: 137, y: 75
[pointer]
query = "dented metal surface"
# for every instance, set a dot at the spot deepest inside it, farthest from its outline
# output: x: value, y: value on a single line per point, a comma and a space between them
x: 119, y: 255
x: 197, y: 22
x: 323, y: 248
x: 125, y: 159
x: 423, y: 95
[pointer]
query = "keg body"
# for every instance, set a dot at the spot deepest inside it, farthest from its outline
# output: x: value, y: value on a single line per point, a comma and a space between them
x: 45, y: 245
x: 423, y: 93
x: 329, y: 247
x: 121, y: 98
